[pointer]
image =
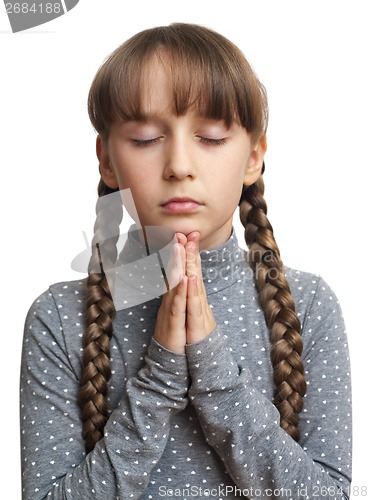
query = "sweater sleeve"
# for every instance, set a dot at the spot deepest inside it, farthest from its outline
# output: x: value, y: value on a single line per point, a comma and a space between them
x: 54, y: 464
x: 243, y: 425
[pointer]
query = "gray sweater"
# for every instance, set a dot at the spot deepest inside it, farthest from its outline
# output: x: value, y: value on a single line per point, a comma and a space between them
x: 201, y: 424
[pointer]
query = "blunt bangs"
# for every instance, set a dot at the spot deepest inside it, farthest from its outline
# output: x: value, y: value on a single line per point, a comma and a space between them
x: 208, y: 74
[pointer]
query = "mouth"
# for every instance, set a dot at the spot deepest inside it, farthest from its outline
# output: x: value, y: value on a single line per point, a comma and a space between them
x: 181, y: 205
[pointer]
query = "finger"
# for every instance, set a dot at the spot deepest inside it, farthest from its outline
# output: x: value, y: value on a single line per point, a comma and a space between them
x: 193, y: 239
x: 193, y: 292
x: 193, y: 263
x: 181, y: 262
x: 176, y: 304
x: 193, y: 236
x: 182, y: 256
x: 176, y: 307
x: 181, y: 238
x: 200, y: 320
x: 195, y: 317
x: 170, y: 328
x: 175, y: 268
x: 198, y: 262
x: 194, y: 305
x: 191, y: 260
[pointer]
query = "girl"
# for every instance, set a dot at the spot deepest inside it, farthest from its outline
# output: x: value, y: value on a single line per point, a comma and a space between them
x: 236, y: 382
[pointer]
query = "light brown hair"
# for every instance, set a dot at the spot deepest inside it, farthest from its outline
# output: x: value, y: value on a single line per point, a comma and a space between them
x: 211, y: 75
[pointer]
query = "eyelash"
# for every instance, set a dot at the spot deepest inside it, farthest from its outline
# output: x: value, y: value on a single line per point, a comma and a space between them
x: 142, y: 143
x: 212, y: 142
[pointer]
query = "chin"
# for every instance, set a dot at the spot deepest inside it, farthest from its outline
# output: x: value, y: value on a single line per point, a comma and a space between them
x: 185, y: 227
x: 177, y: 225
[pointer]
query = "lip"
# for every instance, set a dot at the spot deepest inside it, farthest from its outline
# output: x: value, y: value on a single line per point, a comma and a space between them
x: 181, y: 205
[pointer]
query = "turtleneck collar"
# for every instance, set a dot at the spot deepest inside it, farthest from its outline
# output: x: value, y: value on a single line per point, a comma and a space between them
x: 222, y: 266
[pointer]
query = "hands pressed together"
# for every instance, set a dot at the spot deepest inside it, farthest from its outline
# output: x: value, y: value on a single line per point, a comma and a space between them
x: 184, y: 316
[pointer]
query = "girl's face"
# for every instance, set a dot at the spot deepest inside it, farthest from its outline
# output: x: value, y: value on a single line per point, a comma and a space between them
x: 184, y: 172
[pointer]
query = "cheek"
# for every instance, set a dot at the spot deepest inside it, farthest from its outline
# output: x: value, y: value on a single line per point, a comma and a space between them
x: 230, y: 174
x: 140, y: 189
x: 129, y: 175
x: 230, y: 186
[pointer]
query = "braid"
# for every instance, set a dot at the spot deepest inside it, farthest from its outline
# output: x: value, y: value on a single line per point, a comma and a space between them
x: 100, y: 311
x: 278, y: 305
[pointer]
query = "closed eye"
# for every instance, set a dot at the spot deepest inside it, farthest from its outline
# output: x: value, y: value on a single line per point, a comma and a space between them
x: 142, y: 143
x: 212, y: 142
x: 204, y: 140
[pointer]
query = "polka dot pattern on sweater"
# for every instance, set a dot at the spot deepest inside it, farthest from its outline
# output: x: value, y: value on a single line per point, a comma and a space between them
x: 178, y: 423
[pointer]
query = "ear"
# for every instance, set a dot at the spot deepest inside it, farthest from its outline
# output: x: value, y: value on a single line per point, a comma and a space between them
x: 106, y: 170
x: 255, y: 163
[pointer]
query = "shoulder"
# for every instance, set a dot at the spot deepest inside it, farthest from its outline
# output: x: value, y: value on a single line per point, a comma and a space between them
x: 317, y: 305
x: 304, y: 286
x: 309, y: 289
x: 59, y: 302
x: 64, y: 292
x: 69, y: 294
x: 54, y: 326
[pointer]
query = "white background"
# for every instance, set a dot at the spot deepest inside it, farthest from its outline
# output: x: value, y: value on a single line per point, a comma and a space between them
x: 312, y: 57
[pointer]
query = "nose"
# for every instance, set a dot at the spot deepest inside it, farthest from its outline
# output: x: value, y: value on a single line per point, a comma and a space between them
x: 179, y: 162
